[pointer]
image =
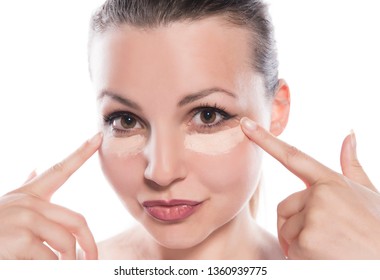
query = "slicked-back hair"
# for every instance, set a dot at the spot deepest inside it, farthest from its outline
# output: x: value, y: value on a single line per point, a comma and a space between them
x: 250, y: 14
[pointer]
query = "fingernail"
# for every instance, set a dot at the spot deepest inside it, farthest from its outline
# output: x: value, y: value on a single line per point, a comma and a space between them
x: 248, y: 124
x: 353, y: 139
x: 95, y: 140
x: 353, y: 142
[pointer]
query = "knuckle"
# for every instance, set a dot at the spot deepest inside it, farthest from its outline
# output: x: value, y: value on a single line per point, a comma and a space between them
x: 291, y: 152
x: 313, y: 217
x: 25, y: 238
x: 306, y: 241
x: 79, y: 221
x: 59, y: 167
x: 281, y: 208
x: 261, y: 133
x: 18, y: 215
x: 28, y: 201
x: 26, y: 217
x: 356, y: 164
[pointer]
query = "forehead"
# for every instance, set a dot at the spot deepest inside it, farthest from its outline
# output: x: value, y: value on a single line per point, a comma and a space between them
x: 180, y: 57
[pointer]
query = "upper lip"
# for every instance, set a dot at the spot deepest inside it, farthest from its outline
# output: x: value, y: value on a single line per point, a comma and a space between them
x: 169, y: 203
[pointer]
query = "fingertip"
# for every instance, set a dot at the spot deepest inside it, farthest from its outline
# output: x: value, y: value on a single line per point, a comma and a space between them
x: 248, y: 124
x: 96, y: 139
x: 31, y: 176
x: 348, y: 150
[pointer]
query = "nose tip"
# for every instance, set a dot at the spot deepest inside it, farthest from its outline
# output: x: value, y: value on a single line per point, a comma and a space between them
x: 165, y: 164
x: 162, y: 175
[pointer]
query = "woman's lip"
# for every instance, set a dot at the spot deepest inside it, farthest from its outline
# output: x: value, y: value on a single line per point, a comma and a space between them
x: 173, y: 202
x: 172, y: 210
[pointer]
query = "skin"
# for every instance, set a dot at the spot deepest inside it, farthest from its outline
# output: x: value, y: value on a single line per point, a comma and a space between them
x: 28, y: 218
x: 347, y: 202
x: 178, y: 61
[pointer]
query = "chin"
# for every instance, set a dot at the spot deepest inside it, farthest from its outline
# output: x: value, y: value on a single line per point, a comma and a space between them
x: 177, y: 236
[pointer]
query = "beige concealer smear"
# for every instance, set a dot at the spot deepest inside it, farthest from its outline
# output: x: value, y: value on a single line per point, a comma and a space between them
x: 215, y: 143
x: 125, y: 146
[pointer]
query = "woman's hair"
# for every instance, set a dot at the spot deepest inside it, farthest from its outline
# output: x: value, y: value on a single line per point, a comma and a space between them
x: 250, y: 14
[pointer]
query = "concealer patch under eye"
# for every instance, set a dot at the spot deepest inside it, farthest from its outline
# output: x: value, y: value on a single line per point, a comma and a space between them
x: 124, y: 146
x: 217, y: 143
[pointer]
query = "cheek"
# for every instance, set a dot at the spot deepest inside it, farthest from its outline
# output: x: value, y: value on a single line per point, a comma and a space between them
x: 231, y: 174
x: 122, y: 164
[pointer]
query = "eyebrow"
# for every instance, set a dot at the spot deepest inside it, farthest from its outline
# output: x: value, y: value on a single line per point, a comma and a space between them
x: 123, y: 100
x: 184, y: 101
x: 202, y: 94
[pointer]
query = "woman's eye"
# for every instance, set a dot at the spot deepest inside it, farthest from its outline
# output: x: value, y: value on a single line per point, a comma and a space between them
x: 208, y: 117
x: 125, y: 122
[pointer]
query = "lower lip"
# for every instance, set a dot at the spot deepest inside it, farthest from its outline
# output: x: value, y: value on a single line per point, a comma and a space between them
x: 172, y: 214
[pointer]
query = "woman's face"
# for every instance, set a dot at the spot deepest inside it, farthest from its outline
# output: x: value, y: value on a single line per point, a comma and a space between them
x: 170, y: 100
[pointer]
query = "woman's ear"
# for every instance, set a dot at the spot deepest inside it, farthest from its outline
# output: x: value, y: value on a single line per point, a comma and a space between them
x: 280, y: 108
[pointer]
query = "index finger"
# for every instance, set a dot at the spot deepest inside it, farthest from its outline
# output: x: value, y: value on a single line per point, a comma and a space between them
x: 49, y: 182
x: 300, y: 164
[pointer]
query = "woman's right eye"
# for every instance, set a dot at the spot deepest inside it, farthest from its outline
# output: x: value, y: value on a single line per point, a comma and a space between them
x: 123, y: 123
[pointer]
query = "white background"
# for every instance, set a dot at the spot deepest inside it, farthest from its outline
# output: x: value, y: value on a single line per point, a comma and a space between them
x: 329, y: 55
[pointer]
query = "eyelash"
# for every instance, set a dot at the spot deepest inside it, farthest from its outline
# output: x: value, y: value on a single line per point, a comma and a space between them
x: 109, y: 119
x: 217, y: 109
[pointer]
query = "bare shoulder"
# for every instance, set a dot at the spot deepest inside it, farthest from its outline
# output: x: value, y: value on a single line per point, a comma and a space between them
x: 128, y: 245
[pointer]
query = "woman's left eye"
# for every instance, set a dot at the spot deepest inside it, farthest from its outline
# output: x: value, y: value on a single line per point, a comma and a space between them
x: 209, y: 117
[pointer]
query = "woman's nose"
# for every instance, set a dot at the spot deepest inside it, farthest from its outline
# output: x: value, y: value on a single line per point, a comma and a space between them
x: 165, y: 159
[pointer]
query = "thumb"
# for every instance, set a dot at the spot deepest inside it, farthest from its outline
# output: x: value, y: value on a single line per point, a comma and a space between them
x: 350, y: 164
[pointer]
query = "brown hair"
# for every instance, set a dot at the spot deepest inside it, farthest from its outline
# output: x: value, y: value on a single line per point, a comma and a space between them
x: 250, y: 14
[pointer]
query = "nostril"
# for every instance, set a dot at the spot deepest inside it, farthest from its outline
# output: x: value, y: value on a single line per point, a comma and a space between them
x: 161, y: 176
x: 165, y: 161
x: 160, y: 187
x: 162, y: 172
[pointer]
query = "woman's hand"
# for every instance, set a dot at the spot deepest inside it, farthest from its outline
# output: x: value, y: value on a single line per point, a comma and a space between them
x: 29, y: 221
x: 337, y: 216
